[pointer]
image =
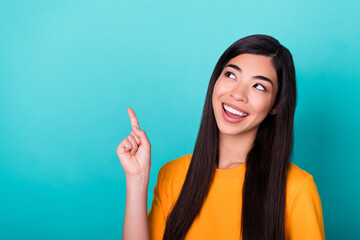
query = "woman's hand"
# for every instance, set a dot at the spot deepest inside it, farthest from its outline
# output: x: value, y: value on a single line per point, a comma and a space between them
x: 134, y: 152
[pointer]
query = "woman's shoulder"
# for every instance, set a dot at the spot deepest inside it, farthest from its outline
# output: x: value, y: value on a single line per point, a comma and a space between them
x: 175, y: 169
x: 172, y: 175
x: 304, y: 218
x: 295, y: 173
x: 299, y: 180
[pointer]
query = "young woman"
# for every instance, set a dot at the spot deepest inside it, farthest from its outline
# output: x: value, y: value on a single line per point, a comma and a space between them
x: 239, y: 182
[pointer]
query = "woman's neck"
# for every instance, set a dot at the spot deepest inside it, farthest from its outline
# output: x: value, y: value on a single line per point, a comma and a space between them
x: 233, y: 149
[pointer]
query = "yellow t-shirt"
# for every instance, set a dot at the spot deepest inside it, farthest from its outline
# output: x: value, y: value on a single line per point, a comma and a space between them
x: 220, y: 215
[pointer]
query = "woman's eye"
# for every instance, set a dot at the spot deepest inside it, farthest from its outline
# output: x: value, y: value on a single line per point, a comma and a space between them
x: 260, y: 87
x: 230, y: 75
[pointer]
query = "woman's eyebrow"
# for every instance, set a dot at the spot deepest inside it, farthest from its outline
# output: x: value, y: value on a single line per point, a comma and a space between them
x: 260, y: 77
x: 263, y: 78
x: 233, y: 66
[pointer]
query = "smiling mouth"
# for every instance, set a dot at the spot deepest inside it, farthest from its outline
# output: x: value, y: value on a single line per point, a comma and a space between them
x: 233, y: 112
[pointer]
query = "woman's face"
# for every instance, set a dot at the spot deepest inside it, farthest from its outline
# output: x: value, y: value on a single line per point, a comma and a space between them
x: 244, y: 94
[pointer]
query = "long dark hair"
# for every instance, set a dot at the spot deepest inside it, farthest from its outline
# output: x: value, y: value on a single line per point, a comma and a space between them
x: 267, y: 163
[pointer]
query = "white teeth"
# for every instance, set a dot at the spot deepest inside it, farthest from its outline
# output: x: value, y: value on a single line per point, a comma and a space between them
x: 241, y: 114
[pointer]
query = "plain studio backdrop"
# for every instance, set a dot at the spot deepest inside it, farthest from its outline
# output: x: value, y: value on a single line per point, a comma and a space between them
x: 69, y: 69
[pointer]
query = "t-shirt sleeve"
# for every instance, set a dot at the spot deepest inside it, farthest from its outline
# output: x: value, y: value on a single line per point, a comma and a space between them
x: 157, y: 216
x: 305, y: 219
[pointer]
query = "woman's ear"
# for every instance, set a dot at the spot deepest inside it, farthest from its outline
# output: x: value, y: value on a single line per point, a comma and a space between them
x: 274, y: 110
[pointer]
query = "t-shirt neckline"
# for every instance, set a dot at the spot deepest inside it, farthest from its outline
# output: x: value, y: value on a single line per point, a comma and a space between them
x: 230, y: 172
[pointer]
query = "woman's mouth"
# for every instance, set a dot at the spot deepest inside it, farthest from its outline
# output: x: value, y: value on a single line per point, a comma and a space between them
x: 233, y: 115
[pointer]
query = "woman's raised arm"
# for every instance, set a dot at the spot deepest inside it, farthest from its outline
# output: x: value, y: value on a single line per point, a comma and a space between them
x: 134, y: 153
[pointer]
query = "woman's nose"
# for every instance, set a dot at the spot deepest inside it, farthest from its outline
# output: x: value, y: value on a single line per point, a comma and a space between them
x: 239, y: 93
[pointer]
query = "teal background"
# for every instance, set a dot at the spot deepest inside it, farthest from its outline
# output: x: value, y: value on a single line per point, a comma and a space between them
x: 69, y: 69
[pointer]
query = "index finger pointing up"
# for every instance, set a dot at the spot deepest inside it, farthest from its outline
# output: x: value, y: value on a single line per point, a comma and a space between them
x: 133, y: 119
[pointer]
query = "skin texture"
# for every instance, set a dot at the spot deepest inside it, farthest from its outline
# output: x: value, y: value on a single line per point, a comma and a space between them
x: 253, y: 95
